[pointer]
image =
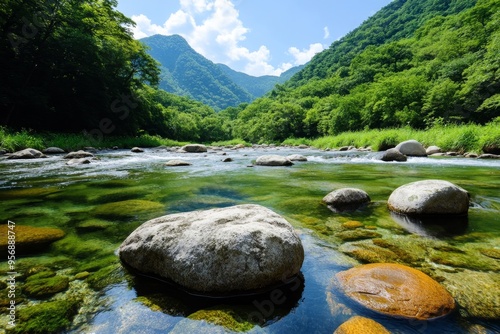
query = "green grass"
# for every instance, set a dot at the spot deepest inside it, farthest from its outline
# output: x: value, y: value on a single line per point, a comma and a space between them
x: 14, y: 141
x: 459, y: 138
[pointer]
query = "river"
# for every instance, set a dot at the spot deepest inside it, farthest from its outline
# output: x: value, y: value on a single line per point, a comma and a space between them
x: 98, y: 205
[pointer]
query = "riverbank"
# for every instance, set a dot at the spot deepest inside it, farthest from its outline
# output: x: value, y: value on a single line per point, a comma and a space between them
x: 458, y: 138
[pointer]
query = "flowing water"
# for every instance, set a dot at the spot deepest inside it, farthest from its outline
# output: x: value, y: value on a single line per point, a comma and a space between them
x: 100, y: 204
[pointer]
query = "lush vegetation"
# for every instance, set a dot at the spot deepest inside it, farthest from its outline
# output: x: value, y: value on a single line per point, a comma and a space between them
x: 430, y: 65
x: 73, y: 67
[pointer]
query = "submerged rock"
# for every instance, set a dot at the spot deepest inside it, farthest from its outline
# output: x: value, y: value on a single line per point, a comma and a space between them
x: 239, y: 248
x: 488, y: 156
x: 396, y: 290
x: 40, y: 287
x: 358, y: 325
x: 273, y: 160
x: 29, y: 153
x: 30, y: 238
x: 78, y: 155
x: 429, y: 197
x: 81, y: 161
x: 393, y: 154
x: 346, y: 199
x: 412, y: 148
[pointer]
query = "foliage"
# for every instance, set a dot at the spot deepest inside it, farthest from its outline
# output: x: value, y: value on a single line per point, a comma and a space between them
x: 433, y: 60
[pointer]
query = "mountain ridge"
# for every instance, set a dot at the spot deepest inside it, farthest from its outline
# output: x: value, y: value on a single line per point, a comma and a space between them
x: 185, y: 72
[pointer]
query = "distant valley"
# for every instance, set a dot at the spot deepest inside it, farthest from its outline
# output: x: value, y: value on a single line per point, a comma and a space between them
x: 187, y: 73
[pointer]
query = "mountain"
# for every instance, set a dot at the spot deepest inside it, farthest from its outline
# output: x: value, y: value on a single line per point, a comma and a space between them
x: 258, y: 86
x: 187, y: 73
x: 415, y: 63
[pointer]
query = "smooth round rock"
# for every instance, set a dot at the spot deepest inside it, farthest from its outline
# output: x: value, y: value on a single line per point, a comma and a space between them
x: 194, y: 148
x: 29, y: 153
x: 273, y: 160
x: 81, y: 161
x: 346, y: 199
x: 296, y: 157
x: 393, y: 154
x: 53, y: 150
x: 78, y: 155
x: 137, y: 150
x: 396, y: 290
x: 361, y: 325
x: 433, y: 150
x: 429, y: 197
x: 239, y: 248
x: 29, y: 238
x: 412, y: 148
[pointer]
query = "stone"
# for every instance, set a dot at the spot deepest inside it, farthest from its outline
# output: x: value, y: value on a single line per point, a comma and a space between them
x: 227, y: 160
x: 357, y: 325
x: 223, y: 250
x: 78, y: 155
x: 177, y: 163
x: 393, y: 154
x: 344, y: 148
x: 239, y: 146
x: 488, y: 156
x: 137, y: 150
x: 411, y: 148
x: 28, y: 238
x: 194, y: 148
x: 471, y: 155
x: 432, y: 150
x: 90, y: 149
x: 429, y: 197
x: 273, y: 160
x: 296, y: 157
x: 346, y: 199
x: 492, y: 149
x: 54, y: 150
x: 29, y: 153
x: 81, y: 161
x: 396, y: 290
x: 303, y: 146
x: 44, y: 287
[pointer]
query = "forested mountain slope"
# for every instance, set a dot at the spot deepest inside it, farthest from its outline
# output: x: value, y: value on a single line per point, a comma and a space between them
x: 185, y: 72
x: 443, y: 67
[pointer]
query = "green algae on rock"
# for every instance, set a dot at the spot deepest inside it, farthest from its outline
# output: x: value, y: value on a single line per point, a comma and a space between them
x: 106, y: 276
x: 46, y: 318
x: 44, y: 287
x: 124, y: 209
x: 30, y: 239
x: 224, y: 317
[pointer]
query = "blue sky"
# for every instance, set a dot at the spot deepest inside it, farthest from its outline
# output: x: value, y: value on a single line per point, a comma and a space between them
x: 258, y: 37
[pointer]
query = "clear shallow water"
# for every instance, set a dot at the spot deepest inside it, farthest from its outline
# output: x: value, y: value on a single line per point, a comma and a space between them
x: 124, y: 189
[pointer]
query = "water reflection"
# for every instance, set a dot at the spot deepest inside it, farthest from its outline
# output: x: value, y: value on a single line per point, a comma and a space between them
x: 434, y: 226
x: 261, y: 308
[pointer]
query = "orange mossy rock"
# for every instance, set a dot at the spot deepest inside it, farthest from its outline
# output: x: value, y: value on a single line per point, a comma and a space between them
x: 357, y: 324
x: 29, y: 238
x: 396, y: 290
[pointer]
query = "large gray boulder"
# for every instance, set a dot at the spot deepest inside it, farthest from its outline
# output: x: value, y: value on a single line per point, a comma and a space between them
x: 296, y: 157
x: 433, y: 150
x: 53, y: 150
x: 393, y: 154
x: 177, y: 163
x: 244, y: 247
x: 412, y: 148
x: 346, y: 199
x: 194, y: 148
x: 429, y: 197
x: 273, y: 160
x: 29, y: 153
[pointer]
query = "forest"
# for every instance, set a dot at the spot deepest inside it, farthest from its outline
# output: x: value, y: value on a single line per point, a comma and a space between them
x: 73, y: 66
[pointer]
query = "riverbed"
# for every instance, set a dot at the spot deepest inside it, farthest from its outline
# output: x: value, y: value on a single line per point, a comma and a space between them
x: 98, y: 205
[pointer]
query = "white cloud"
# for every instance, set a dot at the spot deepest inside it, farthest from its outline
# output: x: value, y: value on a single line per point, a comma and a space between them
x: 326, y: 32
x: 213, y: 28
x: 304, y: 55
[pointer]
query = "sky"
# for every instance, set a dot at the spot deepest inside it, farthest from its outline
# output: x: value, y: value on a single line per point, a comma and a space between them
x: 257, y: 37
